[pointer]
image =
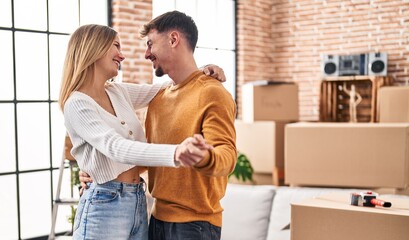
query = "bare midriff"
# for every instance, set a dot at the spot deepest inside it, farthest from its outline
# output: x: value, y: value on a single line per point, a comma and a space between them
x: 130, y: 176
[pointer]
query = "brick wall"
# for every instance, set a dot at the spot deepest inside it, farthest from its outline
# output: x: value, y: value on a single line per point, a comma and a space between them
x: 302, y: 30
x: 255, y: 43
x: 127, y: 17
x: 284, y: 39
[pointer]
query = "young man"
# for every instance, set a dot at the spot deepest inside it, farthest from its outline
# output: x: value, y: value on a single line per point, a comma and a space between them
x: 187, y: 202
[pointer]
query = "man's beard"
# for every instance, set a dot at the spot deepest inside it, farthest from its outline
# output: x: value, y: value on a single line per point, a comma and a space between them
x: 159, y: 72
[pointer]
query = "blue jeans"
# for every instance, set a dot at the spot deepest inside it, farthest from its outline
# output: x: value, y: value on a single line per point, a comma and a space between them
x: 112, y: 210
x: 199, y: 230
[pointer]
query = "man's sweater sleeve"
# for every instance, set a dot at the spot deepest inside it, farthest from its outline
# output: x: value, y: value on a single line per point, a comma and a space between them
x: 218, y: 130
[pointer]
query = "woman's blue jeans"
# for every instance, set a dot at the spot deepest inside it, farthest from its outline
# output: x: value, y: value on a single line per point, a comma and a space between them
x: 112, y: 210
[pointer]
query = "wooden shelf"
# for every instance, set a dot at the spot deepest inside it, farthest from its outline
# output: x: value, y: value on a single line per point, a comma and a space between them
x: 356, y: 78
x: 334, y: 101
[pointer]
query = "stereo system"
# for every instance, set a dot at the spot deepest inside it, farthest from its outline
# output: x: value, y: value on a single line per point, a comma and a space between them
x: 373, y: 64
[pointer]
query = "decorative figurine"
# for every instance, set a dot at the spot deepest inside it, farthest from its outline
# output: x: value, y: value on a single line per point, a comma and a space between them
x: 354, y: 99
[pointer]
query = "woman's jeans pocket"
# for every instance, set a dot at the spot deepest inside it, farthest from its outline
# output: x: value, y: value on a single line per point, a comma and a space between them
x: 101, y: 196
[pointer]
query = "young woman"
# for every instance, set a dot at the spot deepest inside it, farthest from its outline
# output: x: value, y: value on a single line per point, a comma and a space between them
x: 108, y: 139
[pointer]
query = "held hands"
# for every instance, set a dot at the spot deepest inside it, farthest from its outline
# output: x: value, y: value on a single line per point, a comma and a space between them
x: 192, y: 150
x: 214, y: 71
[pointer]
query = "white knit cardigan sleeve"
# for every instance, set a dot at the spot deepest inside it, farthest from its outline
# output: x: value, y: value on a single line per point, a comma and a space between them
x: 86, y: 126
x: 141, y: 94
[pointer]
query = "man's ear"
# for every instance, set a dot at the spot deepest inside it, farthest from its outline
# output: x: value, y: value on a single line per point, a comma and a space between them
x: 174, y: 38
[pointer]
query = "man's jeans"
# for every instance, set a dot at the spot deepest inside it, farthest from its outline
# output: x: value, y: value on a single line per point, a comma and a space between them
x: 199, y: 230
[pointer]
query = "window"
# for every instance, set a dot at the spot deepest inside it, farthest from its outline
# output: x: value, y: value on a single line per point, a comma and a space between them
x: 34, y: 35
x: 216, y: 21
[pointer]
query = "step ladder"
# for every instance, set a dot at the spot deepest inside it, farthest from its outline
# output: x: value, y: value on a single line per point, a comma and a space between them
x: 66, y: 157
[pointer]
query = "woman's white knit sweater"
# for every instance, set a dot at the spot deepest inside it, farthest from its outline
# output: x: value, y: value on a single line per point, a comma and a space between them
x: 105, y: 145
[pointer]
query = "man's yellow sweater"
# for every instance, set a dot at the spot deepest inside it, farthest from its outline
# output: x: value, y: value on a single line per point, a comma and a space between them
x: 201, y: 105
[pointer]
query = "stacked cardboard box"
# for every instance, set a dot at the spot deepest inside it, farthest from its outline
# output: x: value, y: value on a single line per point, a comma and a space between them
x: 367, y: 155
x: 267, y: 108
x: 263, y: 143
x: 270, y: 101
x: 393, y: 104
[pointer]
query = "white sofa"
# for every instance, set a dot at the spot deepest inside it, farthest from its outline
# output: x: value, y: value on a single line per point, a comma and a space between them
x: 262, y: 212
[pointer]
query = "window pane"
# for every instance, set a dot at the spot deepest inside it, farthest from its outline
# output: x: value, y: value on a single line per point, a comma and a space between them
x: 57, y: 134
x: 33, y: 136
x: 5, y: 13
x: 63, y: 16
x: 224, y: 59
x: 6, y: 63
x: 8, y: 208
x: 7, y: 139
x: 64, y: 211
x: 58, y: 48
x: 227, y: 61
x: 161, y: 6
x: 31, y: 66
x: 226, y: 24
x: 213, y: 18
x: 206, y: 22
x: 35, y: 204
x: 187, y: 6
x: 94, y: 11
x: 30, y: 14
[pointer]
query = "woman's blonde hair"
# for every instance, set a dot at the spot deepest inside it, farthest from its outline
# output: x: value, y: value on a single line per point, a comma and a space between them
x: 87, y: 44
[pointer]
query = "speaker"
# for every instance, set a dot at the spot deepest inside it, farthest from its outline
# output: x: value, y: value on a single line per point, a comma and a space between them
x: 377, y: 64
x: 329, y: 65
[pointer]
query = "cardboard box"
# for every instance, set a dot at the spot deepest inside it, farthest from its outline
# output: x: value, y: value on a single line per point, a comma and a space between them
x: 362, y: 155
x: 395, y: 191
x: 263, y: 143
x: 393, y: 104
x: 270, y: 102
x: 331, y: 217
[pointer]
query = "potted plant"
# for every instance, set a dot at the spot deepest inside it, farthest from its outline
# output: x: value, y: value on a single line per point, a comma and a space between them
x: 243, y: 171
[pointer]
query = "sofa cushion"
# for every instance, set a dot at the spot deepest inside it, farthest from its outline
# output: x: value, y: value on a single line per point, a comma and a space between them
x: 246, y: 211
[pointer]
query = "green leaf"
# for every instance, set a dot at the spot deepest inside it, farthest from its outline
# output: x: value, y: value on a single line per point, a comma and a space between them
x: 243, y: 170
